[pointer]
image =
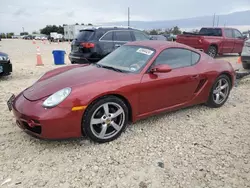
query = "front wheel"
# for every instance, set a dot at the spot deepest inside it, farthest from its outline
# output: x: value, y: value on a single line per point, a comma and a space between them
x: 105, y: 119
x: 219, y: 92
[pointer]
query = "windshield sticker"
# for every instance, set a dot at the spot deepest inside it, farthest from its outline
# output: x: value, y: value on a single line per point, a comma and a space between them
x: 145, y: 51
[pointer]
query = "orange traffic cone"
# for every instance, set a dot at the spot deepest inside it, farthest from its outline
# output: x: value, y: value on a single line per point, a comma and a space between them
x: 38, y: 57
x: 34, y: 42
x: 239, y: 60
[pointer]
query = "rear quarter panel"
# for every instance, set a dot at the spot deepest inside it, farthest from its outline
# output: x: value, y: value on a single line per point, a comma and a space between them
x: 210, y: 69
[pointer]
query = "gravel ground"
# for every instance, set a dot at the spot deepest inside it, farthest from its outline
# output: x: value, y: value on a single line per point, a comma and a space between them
x: 194, y: 147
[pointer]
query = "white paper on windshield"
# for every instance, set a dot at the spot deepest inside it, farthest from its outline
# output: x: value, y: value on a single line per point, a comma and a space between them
x: 145, y: 51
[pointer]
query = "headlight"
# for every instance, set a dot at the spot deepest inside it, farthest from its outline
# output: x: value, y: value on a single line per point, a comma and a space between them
x: 4, y: 58
x: 56, y: 98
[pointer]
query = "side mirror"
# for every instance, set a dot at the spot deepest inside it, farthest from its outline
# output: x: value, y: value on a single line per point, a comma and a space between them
x: 161, y: 69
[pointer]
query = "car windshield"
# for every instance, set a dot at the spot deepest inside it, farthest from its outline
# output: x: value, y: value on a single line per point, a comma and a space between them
x: 127, y: 58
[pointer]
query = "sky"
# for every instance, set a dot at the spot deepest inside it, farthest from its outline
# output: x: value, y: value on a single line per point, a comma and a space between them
x: 32, y: 15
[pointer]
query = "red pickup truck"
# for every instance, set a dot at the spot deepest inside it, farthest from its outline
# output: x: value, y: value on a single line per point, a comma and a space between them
x: 214, y: 41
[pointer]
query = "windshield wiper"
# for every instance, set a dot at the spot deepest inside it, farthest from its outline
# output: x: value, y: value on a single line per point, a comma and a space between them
x: 108, y: 67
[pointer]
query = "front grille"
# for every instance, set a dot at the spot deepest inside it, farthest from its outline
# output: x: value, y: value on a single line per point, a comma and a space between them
x: 35, y: 129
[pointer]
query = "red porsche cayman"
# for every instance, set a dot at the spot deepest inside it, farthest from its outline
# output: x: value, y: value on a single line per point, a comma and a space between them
x: 135, y: 81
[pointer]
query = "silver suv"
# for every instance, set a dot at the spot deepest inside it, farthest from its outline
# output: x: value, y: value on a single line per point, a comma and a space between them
x: 245, y: 55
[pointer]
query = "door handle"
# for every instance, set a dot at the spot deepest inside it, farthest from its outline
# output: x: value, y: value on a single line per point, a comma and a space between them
x: 195, y: 76
x: 117, y: 45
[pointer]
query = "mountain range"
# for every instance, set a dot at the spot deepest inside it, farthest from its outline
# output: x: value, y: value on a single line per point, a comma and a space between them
x: 233, y: 19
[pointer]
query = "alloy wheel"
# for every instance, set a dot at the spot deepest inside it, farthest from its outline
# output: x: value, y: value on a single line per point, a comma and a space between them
x: 221, y: 91
x: 107, y: 120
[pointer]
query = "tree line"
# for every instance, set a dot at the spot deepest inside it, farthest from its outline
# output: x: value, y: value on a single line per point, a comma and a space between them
x: 174, y: 30
x: 59, y: 29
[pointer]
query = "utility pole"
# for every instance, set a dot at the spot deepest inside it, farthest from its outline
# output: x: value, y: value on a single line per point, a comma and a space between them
x: 213, y: 19
x: 23, y: 29
x: 218, y: 19
x: 128, y: 17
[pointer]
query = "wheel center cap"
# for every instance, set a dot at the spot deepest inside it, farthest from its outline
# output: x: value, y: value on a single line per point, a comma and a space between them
x: 108, y: 121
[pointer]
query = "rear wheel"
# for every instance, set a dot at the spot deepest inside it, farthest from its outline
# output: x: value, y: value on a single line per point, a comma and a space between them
x: 212, y: 51
x: 105, y: 119
x: 219, y: 92
x: 245, y: 65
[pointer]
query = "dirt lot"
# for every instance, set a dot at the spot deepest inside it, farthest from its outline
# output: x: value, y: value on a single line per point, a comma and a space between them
x: 194, y: 147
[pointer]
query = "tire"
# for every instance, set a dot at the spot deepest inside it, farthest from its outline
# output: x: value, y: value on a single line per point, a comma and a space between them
x: 105, y: 122
x: 245, y: 65
x: 212, y: 51
x: 215, y: 91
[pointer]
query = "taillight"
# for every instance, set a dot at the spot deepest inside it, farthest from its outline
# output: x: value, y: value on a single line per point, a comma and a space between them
x: 88, y: 45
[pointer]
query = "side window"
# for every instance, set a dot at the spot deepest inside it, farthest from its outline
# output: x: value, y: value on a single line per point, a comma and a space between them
x: 107, y: 37
x: 175, y: 58
x: 140, y: 36
x: 122, y: 36
x: 237, y: 34
x: 195, y: 58
x: 228, y: 33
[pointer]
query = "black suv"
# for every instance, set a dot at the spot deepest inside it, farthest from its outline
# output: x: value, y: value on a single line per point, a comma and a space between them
x: 93, y: 44
x: 5, y: 64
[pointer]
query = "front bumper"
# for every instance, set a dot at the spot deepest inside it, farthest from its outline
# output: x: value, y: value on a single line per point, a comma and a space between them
x: 245, y: 59
x: 5, y: 69
x: 55, y: 123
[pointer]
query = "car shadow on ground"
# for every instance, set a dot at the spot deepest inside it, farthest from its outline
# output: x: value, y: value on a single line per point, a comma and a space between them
x: 139, y: 125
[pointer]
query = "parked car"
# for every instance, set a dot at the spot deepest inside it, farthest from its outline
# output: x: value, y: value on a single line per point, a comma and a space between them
x: 5, y: 64
x: 28, y: 37
x: 245, y: 56
x: 91, y: 45
x: 139, y: 79
x: 158, y: 37
x: 170, y: 37
x: 214, y: 41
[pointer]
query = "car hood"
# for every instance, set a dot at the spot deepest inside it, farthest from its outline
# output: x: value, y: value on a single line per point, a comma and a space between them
x: 3, y: 54
x: 72, y: 77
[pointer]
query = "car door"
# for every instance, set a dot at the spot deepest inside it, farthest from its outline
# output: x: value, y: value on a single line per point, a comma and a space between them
x: 238, y: 41
x: 106, y: 44
x: 163, y: 90
x: 121, y: 37
x: 228, y: 42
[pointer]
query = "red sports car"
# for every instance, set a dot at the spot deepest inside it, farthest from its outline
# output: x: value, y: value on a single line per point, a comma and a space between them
x: 137, y: 80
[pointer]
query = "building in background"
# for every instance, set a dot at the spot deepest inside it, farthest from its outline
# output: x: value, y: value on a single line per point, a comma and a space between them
x: 71, y: 31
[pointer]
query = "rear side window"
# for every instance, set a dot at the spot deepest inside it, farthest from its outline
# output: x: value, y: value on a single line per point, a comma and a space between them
x: 107, y: 36
x: 122, y: 36
x: 85, y: 35
x: 211, y: 32
x: 195, y: 58
x: 228, y: 33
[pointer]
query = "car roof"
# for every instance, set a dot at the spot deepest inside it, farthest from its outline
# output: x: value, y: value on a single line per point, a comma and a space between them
x: 217, y: 28
x: 159, y: 44
x: 109, y: 28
